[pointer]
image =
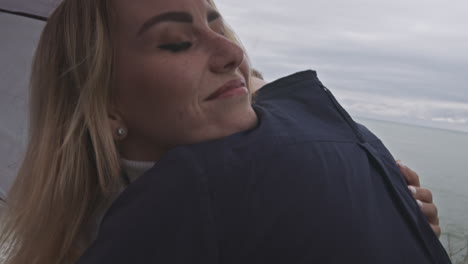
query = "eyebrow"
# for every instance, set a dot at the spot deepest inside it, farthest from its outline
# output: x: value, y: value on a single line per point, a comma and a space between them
x: 180, y: 17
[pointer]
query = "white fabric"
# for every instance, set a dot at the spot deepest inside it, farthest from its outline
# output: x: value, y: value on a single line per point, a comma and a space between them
x: 135, y: 169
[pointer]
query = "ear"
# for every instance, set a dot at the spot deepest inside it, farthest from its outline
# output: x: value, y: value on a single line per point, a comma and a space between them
x: 118, y: 126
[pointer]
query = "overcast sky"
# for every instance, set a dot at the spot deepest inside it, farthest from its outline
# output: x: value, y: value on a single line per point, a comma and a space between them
x: 396, y: 60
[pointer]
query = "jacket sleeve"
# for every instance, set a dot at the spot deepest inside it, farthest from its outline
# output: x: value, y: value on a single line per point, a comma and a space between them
x: 163, y: 217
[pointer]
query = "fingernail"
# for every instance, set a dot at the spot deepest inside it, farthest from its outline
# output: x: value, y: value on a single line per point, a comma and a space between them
x: 412, y: 189
x: 419, y: 203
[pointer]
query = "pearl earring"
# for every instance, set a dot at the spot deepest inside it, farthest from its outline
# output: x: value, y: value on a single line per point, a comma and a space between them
x: 122, y: 132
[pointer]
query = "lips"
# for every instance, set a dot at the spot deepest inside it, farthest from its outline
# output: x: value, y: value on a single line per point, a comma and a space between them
x: 227, y: 89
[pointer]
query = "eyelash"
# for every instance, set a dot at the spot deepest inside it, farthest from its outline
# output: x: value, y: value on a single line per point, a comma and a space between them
x: 176, y: 47
x: 182, y: 46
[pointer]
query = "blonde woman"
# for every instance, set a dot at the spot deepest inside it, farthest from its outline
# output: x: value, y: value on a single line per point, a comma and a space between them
x: 115, y: 86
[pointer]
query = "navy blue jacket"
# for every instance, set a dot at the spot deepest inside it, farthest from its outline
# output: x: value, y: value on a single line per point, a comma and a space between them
x: 307, y: 185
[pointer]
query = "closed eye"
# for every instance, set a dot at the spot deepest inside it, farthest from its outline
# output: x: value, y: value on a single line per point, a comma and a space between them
x: 176, y: 47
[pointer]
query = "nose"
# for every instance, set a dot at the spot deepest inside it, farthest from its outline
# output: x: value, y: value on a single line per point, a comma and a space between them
x: 226, y: 55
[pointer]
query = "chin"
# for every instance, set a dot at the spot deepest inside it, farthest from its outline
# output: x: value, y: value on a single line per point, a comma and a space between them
x: 241, y: 120
x: 223, y: 121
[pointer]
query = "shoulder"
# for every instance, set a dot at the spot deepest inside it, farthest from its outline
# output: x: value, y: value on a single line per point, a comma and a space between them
x: 368, y: 135
x: 177, y: 172
x: 284, y: 86
x: 166, y: 208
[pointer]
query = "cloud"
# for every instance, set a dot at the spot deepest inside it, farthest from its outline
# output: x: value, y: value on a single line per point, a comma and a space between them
x: 428, y: 112
x: 415, y: 50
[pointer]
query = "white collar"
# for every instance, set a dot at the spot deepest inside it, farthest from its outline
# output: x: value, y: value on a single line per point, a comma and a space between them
x: 134, y: 169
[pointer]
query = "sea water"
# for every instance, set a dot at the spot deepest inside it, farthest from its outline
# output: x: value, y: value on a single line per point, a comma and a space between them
x: 440, y: 157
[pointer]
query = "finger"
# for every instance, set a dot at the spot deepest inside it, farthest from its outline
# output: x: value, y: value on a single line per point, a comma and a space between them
x: 430, y: 211
x: 422, y: 194
x: 436, y: 230
x: 411, y: 177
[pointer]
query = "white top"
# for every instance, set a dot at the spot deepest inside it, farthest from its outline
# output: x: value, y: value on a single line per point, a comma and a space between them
x: 134, y: 169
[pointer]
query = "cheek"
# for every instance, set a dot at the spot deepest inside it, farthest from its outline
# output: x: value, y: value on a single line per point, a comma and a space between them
x: 245, y: 69
x: 150, y: 84
x: 153, y: 96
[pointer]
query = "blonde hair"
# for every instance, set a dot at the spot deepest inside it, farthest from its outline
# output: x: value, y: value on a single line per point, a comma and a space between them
x: 71, y: 167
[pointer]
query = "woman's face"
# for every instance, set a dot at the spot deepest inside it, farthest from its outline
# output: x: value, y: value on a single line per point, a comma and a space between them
x: 172, y: 65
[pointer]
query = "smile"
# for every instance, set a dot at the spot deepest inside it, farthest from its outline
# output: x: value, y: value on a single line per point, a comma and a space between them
x: 230, y: 89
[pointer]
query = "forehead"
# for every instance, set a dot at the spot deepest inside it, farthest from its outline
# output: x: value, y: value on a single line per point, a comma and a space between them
x: 131, y: 14
x: 141, y: 9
